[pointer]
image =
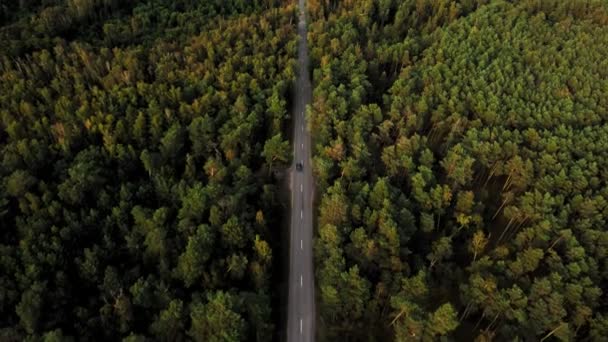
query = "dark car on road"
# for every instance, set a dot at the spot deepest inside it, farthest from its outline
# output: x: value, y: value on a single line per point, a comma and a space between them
x: 299, y: 166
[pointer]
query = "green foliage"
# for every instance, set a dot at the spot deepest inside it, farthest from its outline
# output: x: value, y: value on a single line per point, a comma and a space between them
x: 459, y: 151
x: 169, y: 325
x: 442, y: 321
x: 30, y: 308
x: 134, y: 142
x: 276, y: 150
x: 216, y: 321
x: 56, y: 336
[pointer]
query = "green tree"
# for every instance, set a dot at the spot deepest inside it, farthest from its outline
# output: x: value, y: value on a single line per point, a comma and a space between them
x: 441, y: 249
x: 19, y: 182
x: 56, y: 336
x: 169, y: 325
x: 442, y: 321
x: 172, y: 142
x: 30, y: 307
x: 216, y: 320
x: 192, y: 261
x: 276, y: 150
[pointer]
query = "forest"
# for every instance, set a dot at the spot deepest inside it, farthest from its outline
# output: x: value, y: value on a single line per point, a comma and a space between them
x: 461, y: 156
x: 138, y: 147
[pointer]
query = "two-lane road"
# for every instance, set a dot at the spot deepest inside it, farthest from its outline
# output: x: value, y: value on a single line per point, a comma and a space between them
x: 301, y: 302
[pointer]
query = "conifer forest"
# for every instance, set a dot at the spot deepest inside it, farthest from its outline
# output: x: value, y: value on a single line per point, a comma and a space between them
x: 459, y: 154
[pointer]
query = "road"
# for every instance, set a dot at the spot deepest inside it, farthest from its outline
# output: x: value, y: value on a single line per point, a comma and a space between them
x: 301, y: 301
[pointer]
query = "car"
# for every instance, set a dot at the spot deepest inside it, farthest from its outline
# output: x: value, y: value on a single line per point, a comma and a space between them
x: 299, y: 166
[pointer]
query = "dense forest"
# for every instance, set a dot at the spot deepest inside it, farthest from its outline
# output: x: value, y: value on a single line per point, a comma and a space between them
x: 461, y: 153
x: 138, y: 144
x: 461, y: 158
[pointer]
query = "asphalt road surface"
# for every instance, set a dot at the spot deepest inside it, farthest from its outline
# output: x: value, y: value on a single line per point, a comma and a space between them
x: 301, y: 302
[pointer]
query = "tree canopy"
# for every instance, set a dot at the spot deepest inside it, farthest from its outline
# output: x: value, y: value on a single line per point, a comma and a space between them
x: 135, y: 139
x: 460, y: 158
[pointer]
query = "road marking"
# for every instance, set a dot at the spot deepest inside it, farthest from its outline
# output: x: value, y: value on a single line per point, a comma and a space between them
x: 301, y: 245
x: 302, y: 128
x: 301, y: 280
x: 301, y: 214
x: 301, y: 188
x: 300, y: 326
x: 302, y: 146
